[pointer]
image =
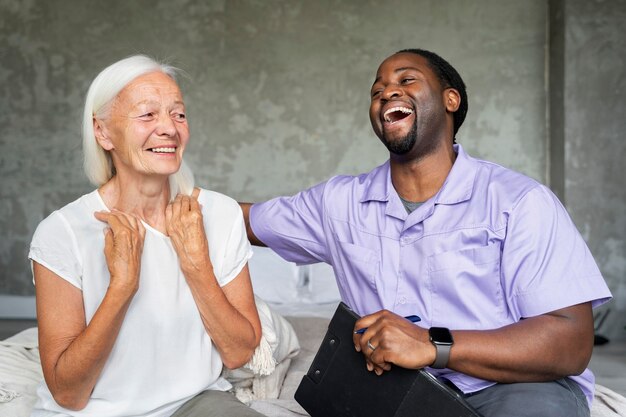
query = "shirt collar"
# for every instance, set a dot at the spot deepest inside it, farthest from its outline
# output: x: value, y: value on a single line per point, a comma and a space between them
x: 378, y: 184
x: 459, y: 184
x: 457, y: 187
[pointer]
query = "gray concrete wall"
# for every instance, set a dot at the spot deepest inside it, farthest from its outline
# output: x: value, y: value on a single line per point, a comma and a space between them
x: 595, y: 122
x: 277, y: 93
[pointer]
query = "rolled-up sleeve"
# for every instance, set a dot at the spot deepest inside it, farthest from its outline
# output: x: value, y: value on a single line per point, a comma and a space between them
x: 546, y: 264
x: 293, y: 226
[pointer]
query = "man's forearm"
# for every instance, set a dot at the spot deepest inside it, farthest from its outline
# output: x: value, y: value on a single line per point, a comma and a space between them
x: 546, y: 347
x: 245, y: 207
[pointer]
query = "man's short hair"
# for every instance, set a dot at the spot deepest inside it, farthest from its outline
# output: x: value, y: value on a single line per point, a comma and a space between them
x: 449, y: 77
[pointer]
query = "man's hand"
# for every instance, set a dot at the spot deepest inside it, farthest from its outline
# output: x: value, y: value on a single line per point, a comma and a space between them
x: 392, y: 339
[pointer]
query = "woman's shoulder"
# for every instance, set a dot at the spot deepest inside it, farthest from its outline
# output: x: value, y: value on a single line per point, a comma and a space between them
x: 216, y: 201
x: 76, y: 211
x: 65, y: 229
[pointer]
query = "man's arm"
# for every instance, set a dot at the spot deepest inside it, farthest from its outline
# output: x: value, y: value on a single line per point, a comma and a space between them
x: 541, y: 348
x: 245, y: 207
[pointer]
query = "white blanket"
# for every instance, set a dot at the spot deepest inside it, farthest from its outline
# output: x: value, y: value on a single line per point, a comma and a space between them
x: 263, y: 376
x: 20, y: 373
x: 607, y: 403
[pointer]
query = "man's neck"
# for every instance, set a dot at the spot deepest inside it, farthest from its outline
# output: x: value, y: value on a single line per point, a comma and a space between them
x: 418, y: 180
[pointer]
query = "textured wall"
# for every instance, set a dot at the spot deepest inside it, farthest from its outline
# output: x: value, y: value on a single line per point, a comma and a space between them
x: 277, y: 90
x: 595, y: 122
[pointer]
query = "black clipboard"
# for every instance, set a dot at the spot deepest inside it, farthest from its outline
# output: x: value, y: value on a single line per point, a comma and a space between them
x: 339, y: 385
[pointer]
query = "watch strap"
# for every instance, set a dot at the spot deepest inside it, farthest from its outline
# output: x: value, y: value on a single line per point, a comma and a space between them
x: 442, y: 357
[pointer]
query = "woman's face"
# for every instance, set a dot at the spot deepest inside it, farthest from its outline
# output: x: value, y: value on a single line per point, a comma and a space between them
x: 146, y: 131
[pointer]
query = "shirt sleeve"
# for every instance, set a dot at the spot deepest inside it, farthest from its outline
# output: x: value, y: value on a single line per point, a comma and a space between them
x: 54, y: 246
x: 546, y: 264
x: 293, y: 226
x: 238, y: 250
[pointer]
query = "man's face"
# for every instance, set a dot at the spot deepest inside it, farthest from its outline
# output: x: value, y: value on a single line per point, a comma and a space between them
x: 407, y: 109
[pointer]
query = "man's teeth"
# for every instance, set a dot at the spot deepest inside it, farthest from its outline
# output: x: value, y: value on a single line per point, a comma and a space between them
x: 404, y: 110
x: 164, y: 150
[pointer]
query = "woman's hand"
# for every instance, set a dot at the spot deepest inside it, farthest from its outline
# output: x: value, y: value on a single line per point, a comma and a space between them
x: 123, y: 245
x: 228, y: 313
x: 185, y: 227
x: 73, y: 353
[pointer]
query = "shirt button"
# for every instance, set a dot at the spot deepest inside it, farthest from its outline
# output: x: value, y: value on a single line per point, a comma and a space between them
x: 402, y: 300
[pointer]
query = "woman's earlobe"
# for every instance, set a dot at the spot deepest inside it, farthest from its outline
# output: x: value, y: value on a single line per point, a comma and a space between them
x: 102, y: 138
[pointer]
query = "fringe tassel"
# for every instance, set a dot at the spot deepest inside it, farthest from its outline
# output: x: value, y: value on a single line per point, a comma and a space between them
x: 262, y: 361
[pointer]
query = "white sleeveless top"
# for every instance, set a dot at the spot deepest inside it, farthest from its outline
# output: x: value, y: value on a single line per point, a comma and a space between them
x: 162, y: 356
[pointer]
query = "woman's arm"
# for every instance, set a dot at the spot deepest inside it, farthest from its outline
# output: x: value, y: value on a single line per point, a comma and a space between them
x: 229, y: 313
x: 72, y: 352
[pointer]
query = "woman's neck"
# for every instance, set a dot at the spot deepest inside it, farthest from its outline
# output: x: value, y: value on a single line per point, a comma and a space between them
x: 146, y: 199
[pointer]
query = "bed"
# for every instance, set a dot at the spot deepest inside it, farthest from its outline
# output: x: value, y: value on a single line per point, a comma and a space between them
x: 295, y: 304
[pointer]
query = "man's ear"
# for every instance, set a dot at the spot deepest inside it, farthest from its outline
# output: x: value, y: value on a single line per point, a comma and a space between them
x: 452, y: 99
x: 101, y: 135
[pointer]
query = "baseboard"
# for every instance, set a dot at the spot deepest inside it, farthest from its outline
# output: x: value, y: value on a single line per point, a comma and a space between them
x: 17, y: 307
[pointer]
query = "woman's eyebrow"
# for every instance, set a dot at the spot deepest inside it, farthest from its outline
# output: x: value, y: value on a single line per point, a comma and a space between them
x: 156, y: 102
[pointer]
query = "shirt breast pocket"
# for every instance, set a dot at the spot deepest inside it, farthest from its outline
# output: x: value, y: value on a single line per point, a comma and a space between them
x: 466, y: 288
x: 359, y: 265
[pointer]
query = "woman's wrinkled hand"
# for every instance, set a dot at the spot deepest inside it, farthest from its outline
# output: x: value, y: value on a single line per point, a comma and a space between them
x: 123, y: 245
x: 185, y: 227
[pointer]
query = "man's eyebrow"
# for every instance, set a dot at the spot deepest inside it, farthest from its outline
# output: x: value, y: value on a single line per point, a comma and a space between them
x: 408, y: 68
x: 399, y: 70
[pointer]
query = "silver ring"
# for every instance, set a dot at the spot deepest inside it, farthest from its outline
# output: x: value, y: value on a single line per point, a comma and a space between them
x: 369, y: 345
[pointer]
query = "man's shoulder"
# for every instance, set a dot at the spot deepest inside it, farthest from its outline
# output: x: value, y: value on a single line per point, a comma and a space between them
x: 503, y: 180
x: 358, y: 183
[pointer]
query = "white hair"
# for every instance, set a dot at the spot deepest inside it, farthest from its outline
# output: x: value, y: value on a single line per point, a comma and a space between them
x: 103, y: 90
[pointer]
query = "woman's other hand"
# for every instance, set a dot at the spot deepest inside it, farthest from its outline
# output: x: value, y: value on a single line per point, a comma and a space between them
x: 185, y: 227
x: 228, y: 313
x: 123, y: 245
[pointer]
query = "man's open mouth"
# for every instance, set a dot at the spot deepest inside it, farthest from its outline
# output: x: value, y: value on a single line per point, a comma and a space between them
x: 396, y: 114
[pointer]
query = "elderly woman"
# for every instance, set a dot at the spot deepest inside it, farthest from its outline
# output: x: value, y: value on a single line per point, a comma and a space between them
x: 143, y: 290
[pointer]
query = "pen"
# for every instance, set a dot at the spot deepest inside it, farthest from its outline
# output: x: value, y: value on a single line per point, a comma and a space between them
x: 413, y: 319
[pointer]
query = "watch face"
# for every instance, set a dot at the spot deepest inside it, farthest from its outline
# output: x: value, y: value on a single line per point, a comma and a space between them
x: 440, y: 335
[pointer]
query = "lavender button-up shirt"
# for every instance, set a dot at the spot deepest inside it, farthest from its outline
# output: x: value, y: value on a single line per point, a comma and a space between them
x: 491, y: 247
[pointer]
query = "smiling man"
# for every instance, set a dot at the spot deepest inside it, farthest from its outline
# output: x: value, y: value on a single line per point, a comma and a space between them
x: 488, y: 257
